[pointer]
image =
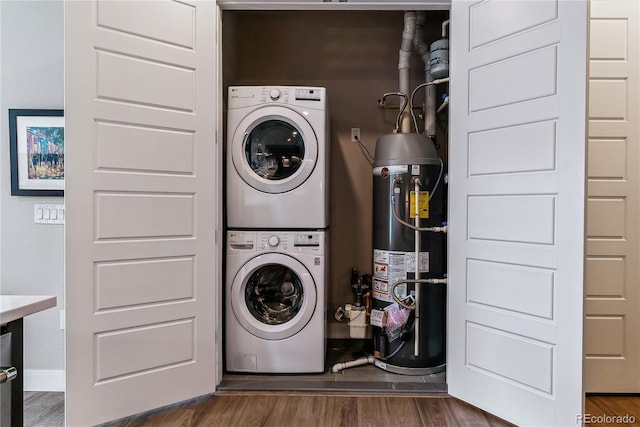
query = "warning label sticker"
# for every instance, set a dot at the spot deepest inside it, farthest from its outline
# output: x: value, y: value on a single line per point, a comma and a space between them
x: 401, y: 292
x: 381, y: 290
x: 381, y: 285
x: 423, y: 204
x: 410, y: 258
x: 391, y: 267
x: 380, y: 270
x: 381, y: 296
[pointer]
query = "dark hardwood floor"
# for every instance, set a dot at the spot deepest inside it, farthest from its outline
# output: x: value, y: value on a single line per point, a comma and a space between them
x: 281, y: 409
x: 609, y: 410
x: 43, y: 409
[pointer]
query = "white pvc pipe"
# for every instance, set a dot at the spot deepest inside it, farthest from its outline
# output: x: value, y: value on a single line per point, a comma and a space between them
x: 419, y: 45
x: 422, y: 50
x: 404, y: 65
x: 444, y: 28
x: 358, y: 362
x: 416, y: 222
x: 430, y: 108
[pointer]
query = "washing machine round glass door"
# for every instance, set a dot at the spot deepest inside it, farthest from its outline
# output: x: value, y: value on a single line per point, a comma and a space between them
x: 274, y: 149
x: 273, y: 296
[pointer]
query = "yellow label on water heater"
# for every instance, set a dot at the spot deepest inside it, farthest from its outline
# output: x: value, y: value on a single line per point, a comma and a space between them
x: 423, y: 204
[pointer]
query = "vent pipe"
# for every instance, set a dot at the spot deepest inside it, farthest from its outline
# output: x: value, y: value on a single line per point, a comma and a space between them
x: 404, y: 66
x: 422, y: 50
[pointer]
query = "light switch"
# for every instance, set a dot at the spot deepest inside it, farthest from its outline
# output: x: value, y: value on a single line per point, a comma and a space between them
x: 48, y: 214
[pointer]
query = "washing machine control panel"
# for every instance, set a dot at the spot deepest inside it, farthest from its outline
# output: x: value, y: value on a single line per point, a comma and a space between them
x: 306, y: 240
x: 240, y: 240
x: 308, y: 243
x: 271, y: 241
x: 294, y: 242
x: 274, y: 240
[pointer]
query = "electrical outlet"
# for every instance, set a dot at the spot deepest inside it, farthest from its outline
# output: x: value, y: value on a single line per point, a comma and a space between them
x: 355, y: 134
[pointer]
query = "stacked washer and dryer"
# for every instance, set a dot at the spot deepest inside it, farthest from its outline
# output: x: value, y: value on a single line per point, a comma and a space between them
x: 277, y: 219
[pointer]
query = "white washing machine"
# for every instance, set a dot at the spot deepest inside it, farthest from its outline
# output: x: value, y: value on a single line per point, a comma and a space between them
x: 277, y: 157
x: 275, y: 301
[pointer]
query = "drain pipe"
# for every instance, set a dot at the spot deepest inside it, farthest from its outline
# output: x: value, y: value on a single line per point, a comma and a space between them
x: 422, y: 50
x: 404, y: 65
x: 358, y: 362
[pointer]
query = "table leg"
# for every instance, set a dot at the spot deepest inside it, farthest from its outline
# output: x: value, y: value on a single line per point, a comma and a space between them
x: 17, y: 385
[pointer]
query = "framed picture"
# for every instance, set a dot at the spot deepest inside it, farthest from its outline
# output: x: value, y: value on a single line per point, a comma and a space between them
x: 36, y: 151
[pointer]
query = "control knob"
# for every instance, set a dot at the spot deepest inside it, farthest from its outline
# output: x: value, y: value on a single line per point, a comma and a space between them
x: 274, y: 94
x: 274, y: 241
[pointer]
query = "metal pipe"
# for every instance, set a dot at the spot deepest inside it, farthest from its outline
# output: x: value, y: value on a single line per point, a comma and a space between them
x: 442, y: 281
x: 382, y: 101
x: 416, y: 222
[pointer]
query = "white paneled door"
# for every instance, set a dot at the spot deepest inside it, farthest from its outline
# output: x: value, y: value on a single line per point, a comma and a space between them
x: 143, y: 206
x: 612, y: 336
x: 517, y: 204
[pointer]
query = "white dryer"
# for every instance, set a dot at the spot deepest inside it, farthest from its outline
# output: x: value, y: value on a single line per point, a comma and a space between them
x: 277, y: 157
x: 275, y: 301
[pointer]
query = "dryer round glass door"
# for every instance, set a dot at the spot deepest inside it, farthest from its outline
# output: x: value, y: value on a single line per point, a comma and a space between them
x: 273, y: 296
x: 274, y: 149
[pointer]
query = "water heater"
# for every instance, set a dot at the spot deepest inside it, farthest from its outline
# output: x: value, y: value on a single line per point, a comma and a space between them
x: 408, y: 182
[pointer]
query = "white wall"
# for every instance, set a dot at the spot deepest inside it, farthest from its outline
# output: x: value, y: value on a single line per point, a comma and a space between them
x: 2, y: 138
x: 32, y: 58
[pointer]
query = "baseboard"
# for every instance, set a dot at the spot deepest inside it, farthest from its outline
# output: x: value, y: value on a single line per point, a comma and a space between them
x: 44, y: 380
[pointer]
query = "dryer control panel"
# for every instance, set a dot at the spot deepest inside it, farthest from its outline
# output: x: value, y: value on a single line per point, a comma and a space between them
x: 251, y: 96
x: 309, y: 94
